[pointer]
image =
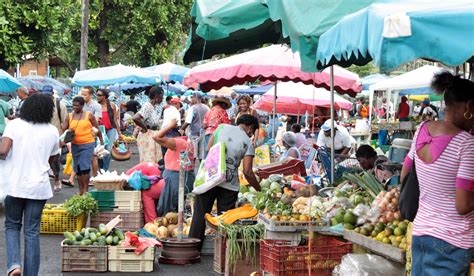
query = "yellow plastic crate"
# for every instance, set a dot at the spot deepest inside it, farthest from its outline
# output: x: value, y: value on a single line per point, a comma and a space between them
x: 124, y: 259
x: 58, y: 221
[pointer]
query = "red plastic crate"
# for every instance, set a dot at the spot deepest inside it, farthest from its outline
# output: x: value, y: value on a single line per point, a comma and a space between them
x: 281, y: 258
x: 288, y: 166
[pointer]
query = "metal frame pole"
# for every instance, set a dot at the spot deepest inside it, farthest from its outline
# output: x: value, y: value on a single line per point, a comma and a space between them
x: 332, y: 124
x: 274, y: 111
x: 183, y: 161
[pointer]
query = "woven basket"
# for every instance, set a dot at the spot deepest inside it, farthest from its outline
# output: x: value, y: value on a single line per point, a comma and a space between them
x: 109, y: 186
x: 121, y: 156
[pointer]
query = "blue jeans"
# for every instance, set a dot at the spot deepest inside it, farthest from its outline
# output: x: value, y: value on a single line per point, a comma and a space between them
x: 207, y: 138
x: 28, y: 211
x: 432, y: 256
x: 104, y: 163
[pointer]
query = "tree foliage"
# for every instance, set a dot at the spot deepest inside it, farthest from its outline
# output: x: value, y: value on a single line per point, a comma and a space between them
x: 132, y: 32
x: 37, y: 28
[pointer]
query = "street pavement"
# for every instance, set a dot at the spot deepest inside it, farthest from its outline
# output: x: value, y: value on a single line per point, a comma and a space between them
x: 51, y: 249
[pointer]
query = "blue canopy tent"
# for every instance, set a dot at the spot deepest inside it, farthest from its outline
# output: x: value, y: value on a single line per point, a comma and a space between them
x: 171, y: 72
x: 115, y: 74
x: 7, y: 82
x: 258, y: 90
x: 394, y: 32
x: 372, y: 79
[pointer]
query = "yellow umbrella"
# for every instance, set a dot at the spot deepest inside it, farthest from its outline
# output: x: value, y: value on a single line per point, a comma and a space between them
x: 418, y: 97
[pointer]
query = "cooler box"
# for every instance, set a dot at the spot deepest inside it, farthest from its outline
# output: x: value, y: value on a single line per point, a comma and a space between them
x: 399, y: 150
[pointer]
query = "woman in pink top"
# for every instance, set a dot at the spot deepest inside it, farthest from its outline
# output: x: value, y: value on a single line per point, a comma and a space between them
x: 214, y: 117
x: 176, y: 145
x: 443, y: 154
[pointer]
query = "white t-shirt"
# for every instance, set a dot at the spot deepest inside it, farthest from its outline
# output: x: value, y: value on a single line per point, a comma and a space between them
x: 189, y: 115
x: 342, y: 139
x: 169, y: 114
x: 26, y: 166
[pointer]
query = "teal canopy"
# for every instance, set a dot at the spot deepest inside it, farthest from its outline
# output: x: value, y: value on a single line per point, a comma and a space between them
x: 397, y: 32
x: 227, y: 26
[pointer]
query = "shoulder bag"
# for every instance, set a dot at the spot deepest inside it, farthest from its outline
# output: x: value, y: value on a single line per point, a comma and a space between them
x: 409, y: 195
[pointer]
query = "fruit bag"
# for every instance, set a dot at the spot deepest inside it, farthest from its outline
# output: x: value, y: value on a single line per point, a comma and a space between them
x: 212, y: 171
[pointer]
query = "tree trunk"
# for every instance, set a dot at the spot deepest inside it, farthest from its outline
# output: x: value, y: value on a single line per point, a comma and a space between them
x: 103, y: 44
x: 84, y: 35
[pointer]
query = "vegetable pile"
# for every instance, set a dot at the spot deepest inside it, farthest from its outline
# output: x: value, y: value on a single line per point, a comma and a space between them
x: 94, y: 237
x: 81, y: 204
x: 167, y: 226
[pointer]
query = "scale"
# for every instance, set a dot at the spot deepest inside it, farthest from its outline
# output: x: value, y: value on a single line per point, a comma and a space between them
x: 180, y: 250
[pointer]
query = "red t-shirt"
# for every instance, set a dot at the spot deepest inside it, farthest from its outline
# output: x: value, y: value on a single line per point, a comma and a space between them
x: 172, y: 156
x: 148, y: 169
x: 403, y: 111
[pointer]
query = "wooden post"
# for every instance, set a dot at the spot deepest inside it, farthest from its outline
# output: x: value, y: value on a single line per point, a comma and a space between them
x: 84, y: 35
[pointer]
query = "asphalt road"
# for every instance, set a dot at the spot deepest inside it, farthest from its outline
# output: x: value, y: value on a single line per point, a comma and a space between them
x: 51, y: 251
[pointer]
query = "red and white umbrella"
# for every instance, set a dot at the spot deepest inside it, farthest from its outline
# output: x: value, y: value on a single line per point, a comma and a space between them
x: 298, y: 98
x: 273, y: 63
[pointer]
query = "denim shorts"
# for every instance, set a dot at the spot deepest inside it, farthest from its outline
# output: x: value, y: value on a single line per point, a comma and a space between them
x: 433, y: 256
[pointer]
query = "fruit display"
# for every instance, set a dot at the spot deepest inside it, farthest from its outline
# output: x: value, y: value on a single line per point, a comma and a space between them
x: 167, y: 226
x: 129, y: 138
x: 387, y: 203
x: 94, y: 237
x: 392, y: 233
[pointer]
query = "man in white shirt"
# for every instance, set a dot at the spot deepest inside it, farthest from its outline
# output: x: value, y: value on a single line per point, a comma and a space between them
x: 343, y: 141
x: 170, y: 114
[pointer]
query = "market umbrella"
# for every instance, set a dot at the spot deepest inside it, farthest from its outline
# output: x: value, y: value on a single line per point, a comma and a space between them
x: 223, y: 92
x: 229, y: 26
x: 115, y: 74
x: 36, y: 84
x: 298, y: 98
x: 171, y: 72
x: 7, y: 82
x: 372, y: 79
x: 276, y: 62
x: 258, y: 90
x: 396, y: 32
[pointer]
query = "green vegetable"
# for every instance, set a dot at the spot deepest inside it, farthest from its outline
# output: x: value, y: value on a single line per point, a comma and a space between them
x: 93, y: 237
x: 118, y: 232
x: 78, y: 236
x: 68, y: 242
x: 109, y: 240
x: 81, y: 204
x: 366, y: 181
x: 86, y: 242
x: 69, y: 236
x: 115, y: 240
x: 102, y: 229
x: 250, y: 236
x: 101, y: 241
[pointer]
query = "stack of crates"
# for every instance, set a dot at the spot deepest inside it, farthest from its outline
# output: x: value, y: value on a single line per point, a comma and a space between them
x: 127, y: 204
x: 124, y: 259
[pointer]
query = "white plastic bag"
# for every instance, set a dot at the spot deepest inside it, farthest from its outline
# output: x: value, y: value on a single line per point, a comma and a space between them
x: 3, y: 181
x: 367, y: 265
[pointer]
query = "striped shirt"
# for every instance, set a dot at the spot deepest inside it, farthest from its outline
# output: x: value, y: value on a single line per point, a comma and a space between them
x: 437, y: 215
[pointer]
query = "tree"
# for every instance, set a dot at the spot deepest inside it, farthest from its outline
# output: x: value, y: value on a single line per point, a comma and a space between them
x: 364, y: 70
x: 138, y: 33
x: 38, y: 28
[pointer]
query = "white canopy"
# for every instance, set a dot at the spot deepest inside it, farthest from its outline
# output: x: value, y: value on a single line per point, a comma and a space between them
x: 418, y: 78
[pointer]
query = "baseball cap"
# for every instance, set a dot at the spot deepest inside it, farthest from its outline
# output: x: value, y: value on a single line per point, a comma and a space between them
x: 47, y: 89
x: 175, y: 100
x: 327, y: 125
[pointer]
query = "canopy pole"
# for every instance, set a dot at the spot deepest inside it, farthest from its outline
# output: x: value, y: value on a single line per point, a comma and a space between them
x: 183, y: 160
x: 371, y: 103
x: 332, y: 124
x: 274, y: 111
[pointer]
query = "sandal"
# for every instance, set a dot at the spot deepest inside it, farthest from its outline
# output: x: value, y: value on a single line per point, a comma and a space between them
x: 67, y: 182
x: 15, y: 272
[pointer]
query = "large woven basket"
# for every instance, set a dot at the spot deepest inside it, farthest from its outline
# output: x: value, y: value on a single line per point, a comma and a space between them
x: 121, y: 156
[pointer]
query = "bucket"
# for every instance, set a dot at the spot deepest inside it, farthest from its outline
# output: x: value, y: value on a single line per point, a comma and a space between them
x: 399, y: 150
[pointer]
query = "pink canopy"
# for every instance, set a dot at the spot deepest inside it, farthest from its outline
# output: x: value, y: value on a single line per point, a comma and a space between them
x: 276, y: 62
x: 297, y: 98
